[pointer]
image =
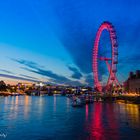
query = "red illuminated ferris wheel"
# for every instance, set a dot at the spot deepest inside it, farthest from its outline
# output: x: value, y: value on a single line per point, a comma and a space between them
x: 111, y: 63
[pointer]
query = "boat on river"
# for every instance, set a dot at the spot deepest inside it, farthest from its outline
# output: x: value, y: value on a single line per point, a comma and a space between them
x: 77, y: 102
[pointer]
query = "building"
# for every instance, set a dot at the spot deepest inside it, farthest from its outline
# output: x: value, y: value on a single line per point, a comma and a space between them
x: 132, y: 84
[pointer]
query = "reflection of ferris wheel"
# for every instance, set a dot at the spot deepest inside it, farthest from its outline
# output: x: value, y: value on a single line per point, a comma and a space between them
x: 112, y: 66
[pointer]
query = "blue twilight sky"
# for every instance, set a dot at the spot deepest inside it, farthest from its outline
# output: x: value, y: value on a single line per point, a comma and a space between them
x: 52, y: 40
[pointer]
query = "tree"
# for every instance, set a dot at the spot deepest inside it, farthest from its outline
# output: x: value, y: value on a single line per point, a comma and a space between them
x: 3, y: 86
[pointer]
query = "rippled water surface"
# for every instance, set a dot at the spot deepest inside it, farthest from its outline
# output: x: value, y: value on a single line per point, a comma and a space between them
x: 53, y: 118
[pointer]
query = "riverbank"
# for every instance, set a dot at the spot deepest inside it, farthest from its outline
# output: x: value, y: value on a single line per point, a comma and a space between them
x: 96, y: 98
x: 5, y: 93
x: 124, y: 98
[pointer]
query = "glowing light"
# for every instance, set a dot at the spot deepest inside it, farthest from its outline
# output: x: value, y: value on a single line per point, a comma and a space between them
x: 114, y: 60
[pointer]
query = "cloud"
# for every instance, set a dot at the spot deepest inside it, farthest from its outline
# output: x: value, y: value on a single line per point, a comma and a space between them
x: 78, y: 36
x: 56, y: 78
x: 35, y: 68
x: 30, y: 64
x: 89, y: 80
x: 18, y: 78
x: 28, y: 76
x: 6, y: 71
x: 76, y: 73
x: 129, y: 63
x: 80, y: 49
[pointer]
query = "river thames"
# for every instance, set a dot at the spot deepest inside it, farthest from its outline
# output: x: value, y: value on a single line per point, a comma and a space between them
x: 53, y: 118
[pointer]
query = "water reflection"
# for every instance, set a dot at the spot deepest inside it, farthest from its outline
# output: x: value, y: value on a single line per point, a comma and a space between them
x: 100, y: 118
x: 26, y: 100
x: 55, y: 118
x: 131, y: 114
x: 96, y: 127
x: 26, y: 107
x: 54, y: 103
x: 87, y: 111
x: 107, y: 120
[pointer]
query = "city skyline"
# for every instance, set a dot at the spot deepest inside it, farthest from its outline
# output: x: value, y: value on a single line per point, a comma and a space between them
x: 52, y: 41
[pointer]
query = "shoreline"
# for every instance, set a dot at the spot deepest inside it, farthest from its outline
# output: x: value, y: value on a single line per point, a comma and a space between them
x: 121, y: 98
